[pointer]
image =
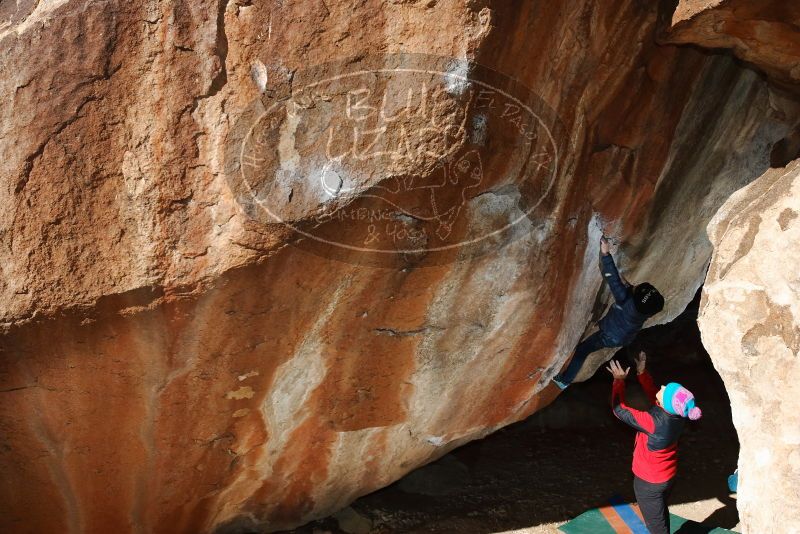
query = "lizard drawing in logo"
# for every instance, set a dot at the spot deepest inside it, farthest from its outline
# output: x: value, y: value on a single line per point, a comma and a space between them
x: 437, y: 198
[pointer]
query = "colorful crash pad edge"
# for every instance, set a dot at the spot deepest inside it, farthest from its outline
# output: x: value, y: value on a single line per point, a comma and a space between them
x: 619, y: 517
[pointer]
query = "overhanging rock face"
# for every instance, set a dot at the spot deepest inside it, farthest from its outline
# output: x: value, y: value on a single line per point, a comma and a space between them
x: 764, y: 33
x: 241, y: 288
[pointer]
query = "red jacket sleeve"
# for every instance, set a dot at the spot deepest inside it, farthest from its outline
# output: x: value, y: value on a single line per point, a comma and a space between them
x: 649, y: 387
x: 641, y: 421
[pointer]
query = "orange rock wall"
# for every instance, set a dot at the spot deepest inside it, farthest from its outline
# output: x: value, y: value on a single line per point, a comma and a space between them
x: 170, y: 364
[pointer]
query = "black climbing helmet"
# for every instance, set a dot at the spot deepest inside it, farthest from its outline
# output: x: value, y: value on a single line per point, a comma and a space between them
x: 647, y: 299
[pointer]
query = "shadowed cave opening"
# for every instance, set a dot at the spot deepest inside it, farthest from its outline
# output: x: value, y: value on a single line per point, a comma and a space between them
x: 567, y: 458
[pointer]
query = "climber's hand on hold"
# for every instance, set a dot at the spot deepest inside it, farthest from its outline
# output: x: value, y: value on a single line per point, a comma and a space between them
x: 617, y: 371
x: 605, y: 246
x: 641, y: 361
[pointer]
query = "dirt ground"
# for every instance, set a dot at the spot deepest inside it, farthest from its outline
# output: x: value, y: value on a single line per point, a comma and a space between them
x: 572, y: 456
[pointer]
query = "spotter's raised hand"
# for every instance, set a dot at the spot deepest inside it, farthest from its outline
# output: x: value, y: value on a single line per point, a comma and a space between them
x: 617, y: 371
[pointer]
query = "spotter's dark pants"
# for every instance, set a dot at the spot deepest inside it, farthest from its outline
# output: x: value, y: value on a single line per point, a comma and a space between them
x: 652, y: 499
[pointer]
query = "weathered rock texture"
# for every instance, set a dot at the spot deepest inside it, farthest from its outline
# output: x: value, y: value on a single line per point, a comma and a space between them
x: 763, y: 33
x: 172, y: 364
x: 750, y: 322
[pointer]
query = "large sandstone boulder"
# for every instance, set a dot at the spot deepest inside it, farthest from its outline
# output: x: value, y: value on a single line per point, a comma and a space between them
x: 194, y: 337
x: 750, y: 323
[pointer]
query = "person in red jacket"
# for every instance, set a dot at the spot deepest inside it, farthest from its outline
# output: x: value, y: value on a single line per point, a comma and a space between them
x: 655, y: 451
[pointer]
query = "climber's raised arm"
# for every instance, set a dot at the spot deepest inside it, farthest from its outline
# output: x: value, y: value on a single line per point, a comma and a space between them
x: 610, y: 273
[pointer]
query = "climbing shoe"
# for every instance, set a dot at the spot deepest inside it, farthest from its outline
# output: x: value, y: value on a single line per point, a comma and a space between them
x: 561, y: 385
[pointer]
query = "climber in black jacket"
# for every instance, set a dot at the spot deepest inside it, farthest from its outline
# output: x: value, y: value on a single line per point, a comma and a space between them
x: 633, y: 305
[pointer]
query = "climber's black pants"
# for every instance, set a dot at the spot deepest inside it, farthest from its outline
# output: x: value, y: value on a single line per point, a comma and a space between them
x: 652, y: 499
x: 591, y: 344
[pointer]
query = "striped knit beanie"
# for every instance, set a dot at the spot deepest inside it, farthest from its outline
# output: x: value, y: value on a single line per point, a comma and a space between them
x: 679, y: 401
